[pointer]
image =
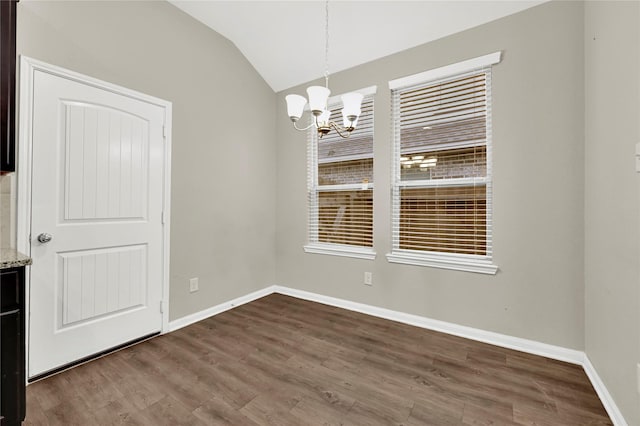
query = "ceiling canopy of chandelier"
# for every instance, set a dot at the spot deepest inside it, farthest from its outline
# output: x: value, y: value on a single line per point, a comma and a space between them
x: 318, y: 98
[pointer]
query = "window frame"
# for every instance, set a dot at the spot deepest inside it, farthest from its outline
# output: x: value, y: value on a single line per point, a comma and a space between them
x: 313, y: 189
x: 444, y: 260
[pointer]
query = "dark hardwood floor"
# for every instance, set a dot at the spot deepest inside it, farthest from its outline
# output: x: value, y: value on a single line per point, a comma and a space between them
x: 285, y: 361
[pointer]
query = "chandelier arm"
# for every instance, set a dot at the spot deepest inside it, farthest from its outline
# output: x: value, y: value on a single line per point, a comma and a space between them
x: 304, y: 129
x: 337, y: 128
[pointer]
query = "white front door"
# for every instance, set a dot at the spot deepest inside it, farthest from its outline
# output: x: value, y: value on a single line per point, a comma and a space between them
x: 97, y: 193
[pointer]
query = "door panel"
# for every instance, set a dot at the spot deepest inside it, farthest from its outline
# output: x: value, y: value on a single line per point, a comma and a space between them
x: 96, y: 283
x: 117, y: 143
x: 97, y: 189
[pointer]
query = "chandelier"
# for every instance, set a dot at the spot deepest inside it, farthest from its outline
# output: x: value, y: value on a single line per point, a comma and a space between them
x: 318, y: 98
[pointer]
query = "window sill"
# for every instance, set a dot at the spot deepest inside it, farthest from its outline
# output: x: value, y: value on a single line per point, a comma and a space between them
x: 337, y: 250
x: 456, y: 263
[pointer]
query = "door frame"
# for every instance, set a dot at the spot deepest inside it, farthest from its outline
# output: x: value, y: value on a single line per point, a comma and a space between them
x: 28, y: 67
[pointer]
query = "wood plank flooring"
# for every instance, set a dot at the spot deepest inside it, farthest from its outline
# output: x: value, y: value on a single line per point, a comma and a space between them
x: 285, y: 361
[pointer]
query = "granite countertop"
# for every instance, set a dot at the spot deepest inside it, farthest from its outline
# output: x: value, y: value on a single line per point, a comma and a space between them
x: 11, y: 258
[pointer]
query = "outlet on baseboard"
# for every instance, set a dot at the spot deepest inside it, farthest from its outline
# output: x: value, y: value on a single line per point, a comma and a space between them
x: 193, y: 285
x: 368, y: 278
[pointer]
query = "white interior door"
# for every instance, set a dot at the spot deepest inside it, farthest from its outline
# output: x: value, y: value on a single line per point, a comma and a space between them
x: 97, y: 193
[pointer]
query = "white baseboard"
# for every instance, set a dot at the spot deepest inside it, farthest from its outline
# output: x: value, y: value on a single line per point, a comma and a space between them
x: 603, y: 393
x: 215, y: 310
x: 529, y: 346
x: 516, y: 343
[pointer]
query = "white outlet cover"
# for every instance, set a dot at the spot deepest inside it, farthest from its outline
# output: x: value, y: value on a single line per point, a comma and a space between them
x: 368, y: 278
x: 193, y: 285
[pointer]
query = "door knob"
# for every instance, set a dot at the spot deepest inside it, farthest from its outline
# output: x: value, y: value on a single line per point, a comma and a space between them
x: 44, y: 238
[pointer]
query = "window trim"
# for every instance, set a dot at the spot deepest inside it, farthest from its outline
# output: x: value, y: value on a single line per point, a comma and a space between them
x: 314, y: 246
x: 446, y: 71
x: 458, y: 262
x: 344, y: 250
x: 442, y: 260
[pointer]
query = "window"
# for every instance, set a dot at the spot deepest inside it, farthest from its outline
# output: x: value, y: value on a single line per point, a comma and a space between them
x: 340, y: 186
x: 442, y: 167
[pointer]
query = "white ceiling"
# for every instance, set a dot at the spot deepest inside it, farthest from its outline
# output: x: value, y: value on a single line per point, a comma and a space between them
x: 284, y: 40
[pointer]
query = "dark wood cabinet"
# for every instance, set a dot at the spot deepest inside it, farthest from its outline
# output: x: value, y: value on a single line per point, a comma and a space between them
x: 12, y: 346
x: 8, y: 85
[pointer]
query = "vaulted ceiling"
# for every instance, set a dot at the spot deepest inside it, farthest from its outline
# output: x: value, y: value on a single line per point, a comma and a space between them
x: 285, y: 40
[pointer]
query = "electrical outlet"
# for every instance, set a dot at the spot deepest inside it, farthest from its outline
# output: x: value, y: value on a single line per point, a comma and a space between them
x: 368, y: 278
x: 193, y: 285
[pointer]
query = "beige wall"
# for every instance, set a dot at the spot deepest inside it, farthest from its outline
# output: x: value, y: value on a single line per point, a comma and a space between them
x: 223, y: 171
x: 612, y: 198
x: 538, y: 128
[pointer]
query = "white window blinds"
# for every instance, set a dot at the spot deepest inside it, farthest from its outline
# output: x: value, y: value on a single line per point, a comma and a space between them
x: 442, y: 170
x: 340, y: 184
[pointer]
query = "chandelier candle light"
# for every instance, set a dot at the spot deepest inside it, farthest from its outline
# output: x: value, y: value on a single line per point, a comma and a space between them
x: 318, y: 98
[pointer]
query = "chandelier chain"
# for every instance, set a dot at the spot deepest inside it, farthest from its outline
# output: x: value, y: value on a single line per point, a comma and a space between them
x: 326, y: 46
x: 318, y: 97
